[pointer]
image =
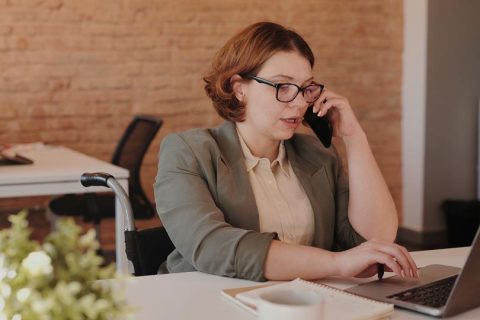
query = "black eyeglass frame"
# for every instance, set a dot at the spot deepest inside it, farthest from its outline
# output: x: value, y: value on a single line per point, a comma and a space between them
x: 278, y: 85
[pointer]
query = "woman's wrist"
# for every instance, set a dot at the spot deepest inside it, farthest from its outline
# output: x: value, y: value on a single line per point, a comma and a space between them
x: 359, y: 137
x: 321, y: 263
x: 337, y: 265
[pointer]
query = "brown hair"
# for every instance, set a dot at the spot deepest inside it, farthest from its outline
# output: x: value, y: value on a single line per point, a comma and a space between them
x: 244, y: 54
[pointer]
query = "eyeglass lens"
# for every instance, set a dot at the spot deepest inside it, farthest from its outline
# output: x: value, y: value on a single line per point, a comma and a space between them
x: 288, y: 92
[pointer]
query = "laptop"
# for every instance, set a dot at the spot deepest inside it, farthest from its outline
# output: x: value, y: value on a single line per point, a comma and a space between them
x: 441, y: 291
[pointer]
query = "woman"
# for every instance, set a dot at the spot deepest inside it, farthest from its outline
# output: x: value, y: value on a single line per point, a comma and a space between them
x: 252, y: 199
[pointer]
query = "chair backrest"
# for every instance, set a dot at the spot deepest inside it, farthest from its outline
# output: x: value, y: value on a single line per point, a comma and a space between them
x: 147, y: 249
x: 129, y: 154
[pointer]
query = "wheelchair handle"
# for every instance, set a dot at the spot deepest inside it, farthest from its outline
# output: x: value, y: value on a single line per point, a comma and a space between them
x: 95, y: 179
x: 102, y: 179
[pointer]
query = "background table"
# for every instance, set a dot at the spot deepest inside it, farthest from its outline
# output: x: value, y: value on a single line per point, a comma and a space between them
x: 196, y: 295
x: 57, y: 170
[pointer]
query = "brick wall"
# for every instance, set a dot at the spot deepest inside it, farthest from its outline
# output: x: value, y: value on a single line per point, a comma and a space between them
x: 74, y: 72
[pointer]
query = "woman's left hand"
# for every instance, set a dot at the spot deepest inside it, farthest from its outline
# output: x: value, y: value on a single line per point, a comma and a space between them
x: 339, y: 113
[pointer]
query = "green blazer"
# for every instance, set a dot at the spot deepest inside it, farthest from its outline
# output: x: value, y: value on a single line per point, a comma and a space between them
x: 205, y: 201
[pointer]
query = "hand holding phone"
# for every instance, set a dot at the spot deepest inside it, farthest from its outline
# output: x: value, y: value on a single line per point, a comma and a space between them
x: 320, y: 125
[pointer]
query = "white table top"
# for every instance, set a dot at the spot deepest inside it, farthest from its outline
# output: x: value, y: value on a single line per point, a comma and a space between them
x: 196, y: 295
x: 53, y: 169
x: 57, y: 170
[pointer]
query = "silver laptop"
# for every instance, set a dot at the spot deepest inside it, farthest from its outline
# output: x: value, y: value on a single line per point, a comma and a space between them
x: 441, y: 291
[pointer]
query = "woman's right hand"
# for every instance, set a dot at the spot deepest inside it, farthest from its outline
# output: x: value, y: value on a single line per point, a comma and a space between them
x: 362, y: 260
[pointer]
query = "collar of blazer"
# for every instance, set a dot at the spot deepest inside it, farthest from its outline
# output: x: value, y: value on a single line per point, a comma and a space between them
x: 298, y: 153
x: 308, y: 160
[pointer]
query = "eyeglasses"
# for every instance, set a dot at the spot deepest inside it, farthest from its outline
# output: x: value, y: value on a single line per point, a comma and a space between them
x: 287, y: 92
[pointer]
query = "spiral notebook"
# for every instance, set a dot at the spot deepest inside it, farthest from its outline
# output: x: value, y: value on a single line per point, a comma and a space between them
x: 338, y: 305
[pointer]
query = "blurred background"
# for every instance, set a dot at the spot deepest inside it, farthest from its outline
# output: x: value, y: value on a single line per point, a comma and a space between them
x: 74, y: 73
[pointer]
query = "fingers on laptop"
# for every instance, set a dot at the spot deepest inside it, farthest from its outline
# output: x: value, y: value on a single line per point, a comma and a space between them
x: 396, y: 258
x: 401, y: 257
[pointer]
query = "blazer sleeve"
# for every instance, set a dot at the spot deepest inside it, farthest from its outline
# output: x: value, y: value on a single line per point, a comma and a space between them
x: 346, y: 236
x: 195, y: 224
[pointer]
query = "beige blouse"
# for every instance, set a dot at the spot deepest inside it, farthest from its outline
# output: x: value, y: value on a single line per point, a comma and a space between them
x: 282, y: 204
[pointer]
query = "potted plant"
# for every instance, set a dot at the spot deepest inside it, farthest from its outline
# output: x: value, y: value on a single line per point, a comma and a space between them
x: 57, y: 279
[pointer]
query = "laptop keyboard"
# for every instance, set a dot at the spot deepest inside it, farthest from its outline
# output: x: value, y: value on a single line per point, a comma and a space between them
x: 433, y: 294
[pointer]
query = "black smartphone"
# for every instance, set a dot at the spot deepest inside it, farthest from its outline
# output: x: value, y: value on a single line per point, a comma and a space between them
x: 319, y: 125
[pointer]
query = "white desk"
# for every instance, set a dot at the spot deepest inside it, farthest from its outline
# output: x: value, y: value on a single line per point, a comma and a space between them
x: 57, y: 170
x: 195, y: 295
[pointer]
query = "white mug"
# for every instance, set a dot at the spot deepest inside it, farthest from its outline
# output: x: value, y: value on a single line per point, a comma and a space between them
x: 291, y: 304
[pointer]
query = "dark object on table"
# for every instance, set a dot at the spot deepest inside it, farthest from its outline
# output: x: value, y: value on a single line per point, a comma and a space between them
x: 13, y: 158
x: 131, y: 149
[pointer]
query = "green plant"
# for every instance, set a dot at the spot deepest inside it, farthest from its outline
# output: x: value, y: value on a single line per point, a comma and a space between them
x: 56, y: 279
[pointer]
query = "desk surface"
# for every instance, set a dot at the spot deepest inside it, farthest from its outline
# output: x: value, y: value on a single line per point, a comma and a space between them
x: 55, y: 169
x: 195, y: 295
x: 53, y: 163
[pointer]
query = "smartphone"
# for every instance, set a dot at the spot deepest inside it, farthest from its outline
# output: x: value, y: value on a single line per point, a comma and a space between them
x: 320, y: 125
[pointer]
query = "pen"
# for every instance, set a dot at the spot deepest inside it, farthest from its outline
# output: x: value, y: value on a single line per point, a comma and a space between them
x: 380, y: 270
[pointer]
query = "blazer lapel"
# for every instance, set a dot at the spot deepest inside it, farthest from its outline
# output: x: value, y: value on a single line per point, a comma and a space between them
x: 235, y: 194
x: 312, y: 176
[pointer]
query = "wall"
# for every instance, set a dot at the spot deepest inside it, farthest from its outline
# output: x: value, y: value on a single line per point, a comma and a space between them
x: 440, y: 110
x: 413, y: 112
x: 74, y: 72
x: 453, y: 92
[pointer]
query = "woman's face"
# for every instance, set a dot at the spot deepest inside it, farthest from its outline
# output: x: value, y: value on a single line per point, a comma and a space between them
x: 265, y: 116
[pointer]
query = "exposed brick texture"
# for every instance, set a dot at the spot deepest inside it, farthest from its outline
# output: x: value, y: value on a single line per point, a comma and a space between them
x: 74, y: 72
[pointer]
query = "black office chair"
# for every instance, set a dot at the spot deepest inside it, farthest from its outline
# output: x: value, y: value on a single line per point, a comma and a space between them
x: 131, y: 149
x: 463, y: 220
x: 147, y: 248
